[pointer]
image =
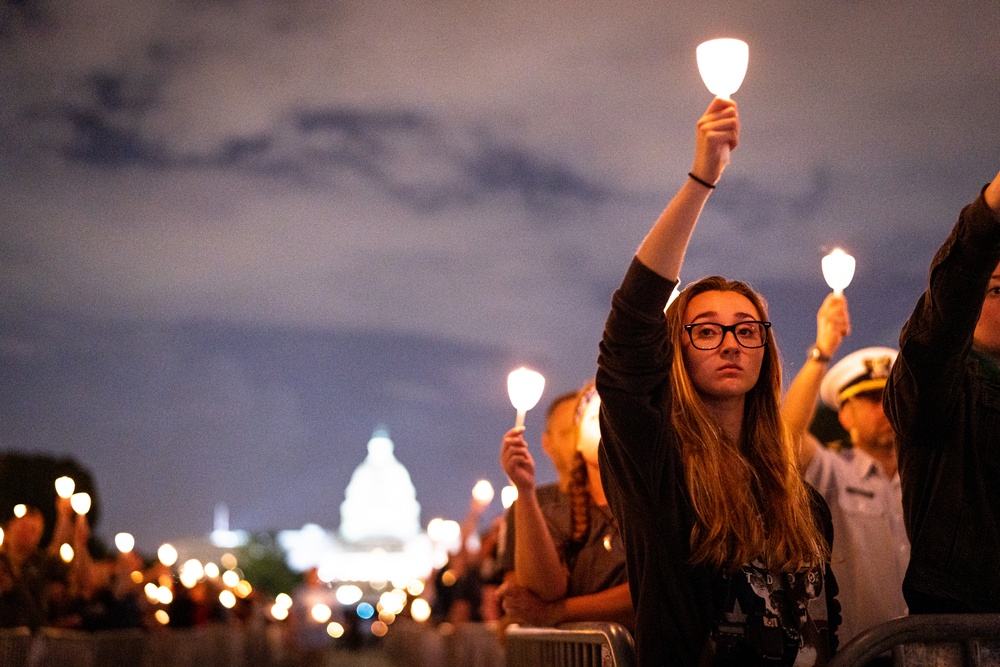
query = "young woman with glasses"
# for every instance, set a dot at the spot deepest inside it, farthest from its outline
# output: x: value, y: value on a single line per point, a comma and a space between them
x: 727, y: 549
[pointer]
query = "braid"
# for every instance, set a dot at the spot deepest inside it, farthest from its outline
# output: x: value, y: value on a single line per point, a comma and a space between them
x: 579, y: 498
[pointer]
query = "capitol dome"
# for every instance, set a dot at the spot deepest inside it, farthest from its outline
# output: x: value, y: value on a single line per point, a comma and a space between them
x: 380, y: 502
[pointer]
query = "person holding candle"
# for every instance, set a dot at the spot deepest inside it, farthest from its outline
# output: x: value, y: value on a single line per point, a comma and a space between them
x: 727, y: 548
x: 559, y: 443
x: 858, y: 479
x: 568, y: 566
x: 943, y: 401
x: 24, y: 571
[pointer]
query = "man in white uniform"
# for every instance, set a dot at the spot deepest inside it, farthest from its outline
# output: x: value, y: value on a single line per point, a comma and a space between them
x: 859, y: 479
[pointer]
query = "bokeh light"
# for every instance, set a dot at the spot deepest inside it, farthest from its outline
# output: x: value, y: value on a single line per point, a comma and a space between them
x: 80, y: 502
x: 164, y: 595
x: 321, y: 613
x: 227, y: 599
x: 420, y: 610
x: 348, y: 594
x: 125, y: 542
x: 415, y: 587
x: 65, y: 486
x: 167, y: 554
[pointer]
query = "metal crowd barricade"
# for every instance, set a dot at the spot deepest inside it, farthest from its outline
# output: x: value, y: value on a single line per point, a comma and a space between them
x: 926, y: 640
x: 215, y: 645
x: 570, y: 645
x: 15, y: 646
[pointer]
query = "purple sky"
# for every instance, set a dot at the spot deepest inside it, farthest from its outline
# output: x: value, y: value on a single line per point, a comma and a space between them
x: 236, y: 237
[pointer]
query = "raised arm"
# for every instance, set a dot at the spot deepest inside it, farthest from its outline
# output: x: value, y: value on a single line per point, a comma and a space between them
x: 663, y: 248
x: 833, y: 322
x: 944, y: 326
x: 992, y: 195
x: 537, y: 565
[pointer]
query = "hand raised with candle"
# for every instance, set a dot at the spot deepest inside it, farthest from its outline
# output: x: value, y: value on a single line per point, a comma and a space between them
x: 833, y: 323
x: 517, y: 461
x: 718, y: 132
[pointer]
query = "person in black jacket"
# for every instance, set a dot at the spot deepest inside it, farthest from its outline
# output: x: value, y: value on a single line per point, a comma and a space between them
x: 943, y: 400
x: 727, y: 548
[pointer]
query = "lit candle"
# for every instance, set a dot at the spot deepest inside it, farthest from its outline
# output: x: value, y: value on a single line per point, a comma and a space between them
x: 125, y: 542
x: 482, y: 492
x: 838, y: 270
x: 723, y: 65
x: 80, y: 502
x: 524, y: 386
x: 65, y: 486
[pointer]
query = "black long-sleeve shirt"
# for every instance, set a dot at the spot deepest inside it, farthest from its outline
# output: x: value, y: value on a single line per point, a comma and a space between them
x: 943, y: 401
x: 680, y: 607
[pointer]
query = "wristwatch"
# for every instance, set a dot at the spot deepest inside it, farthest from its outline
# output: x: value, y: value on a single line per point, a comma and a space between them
x: 816, y: 354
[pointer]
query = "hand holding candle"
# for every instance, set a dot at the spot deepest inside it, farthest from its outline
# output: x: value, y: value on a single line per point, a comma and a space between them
x: 723, y: 65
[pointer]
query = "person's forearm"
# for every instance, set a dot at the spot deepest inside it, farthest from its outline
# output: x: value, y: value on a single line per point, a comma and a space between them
x: 536, y: 560
x: 664, y: 247
x: 799, y: 406
x: 613, y: 605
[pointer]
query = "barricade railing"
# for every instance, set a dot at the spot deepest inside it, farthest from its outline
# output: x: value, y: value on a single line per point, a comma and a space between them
x: 570, y: 645
x: 925, y: 640
x: 469, y: 644
x: 208, y: 646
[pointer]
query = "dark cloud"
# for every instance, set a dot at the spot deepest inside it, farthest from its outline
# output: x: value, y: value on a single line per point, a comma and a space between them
x: 410, y: 157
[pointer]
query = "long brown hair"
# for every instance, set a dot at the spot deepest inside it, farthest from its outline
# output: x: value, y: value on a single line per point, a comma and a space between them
x: 749, y: 499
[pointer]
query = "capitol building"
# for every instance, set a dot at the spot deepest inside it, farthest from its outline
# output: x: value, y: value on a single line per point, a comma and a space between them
x: 380, y: 537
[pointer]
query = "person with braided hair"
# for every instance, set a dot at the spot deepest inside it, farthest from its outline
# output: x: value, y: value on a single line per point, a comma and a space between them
x: 568, y: 566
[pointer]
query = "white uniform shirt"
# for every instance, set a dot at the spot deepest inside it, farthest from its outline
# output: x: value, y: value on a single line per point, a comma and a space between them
x: 870, y: 548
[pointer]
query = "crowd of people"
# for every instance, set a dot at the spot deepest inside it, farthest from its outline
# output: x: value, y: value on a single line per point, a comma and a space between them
x: 63, y: 585
x: 705, y: 517
x: 693, y: 506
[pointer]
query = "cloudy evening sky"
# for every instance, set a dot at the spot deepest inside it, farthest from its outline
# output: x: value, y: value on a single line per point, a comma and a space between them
x: 236, y: 237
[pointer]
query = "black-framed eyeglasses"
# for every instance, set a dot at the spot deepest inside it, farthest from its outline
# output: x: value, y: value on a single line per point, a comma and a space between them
x: 709, y: 335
